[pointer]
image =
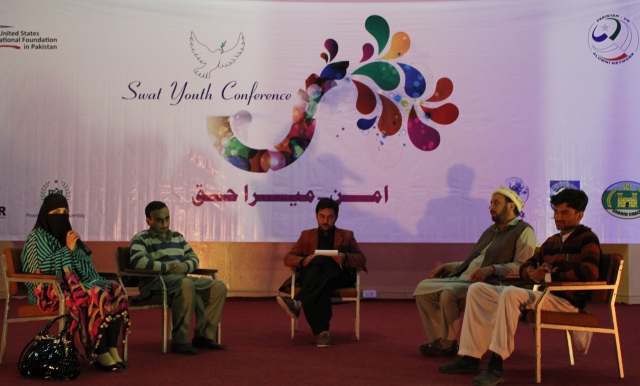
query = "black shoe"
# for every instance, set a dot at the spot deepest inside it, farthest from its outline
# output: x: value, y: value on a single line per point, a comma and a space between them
x: 183, y: 348
x: 489, y: 377
x: 114, y: 368
x: 201, y: 342
x: 122, y: 365
x: 435, y: 349
x: 324, y: 339
x: 426, y: 348
x: 464, y: 365
x: 290, y: 305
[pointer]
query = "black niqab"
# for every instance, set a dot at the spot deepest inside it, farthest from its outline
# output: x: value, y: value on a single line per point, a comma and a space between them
x: 55, y: 224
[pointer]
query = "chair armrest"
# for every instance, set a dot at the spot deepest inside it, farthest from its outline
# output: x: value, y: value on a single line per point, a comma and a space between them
x: 570, y: 286
x: 512, y: 277
x: 514, y: 280
x: 140, y: 272
x: 31, y: 278
x: 110, y: 275
x: 575, y: 283
x: 295, y: 269
x: 205, y: 271
x: 578, y: 286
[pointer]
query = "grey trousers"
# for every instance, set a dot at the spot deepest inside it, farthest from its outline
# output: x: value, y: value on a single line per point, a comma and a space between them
x: 439, y: 310
x: 188, y: 294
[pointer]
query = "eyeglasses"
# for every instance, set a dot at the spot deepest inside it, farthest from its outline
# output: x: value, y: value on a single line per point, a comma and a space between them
x: 60, y: 211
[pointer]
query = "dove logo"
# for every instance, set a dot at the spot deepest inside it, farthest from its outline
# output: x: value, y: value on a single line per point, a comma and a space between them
x: 211, y: 60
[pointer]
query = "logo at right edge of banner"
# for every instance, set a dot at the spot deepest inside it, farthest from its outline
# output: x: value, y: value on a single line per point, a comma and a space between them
x: 613, y: 39
x: 621, y: 200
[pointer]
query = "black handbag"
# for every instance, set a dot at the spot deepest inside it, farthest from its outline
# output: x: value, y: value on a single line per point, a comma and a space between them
x: 51, y: 357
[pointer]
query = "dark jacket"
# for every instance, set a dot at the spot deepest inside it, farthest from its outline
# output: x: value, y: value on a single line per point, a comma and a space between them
x: 344, y: 241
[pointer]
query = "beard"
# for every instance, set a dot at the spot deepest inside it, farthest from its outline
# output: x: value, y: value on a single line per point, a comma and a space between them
x: 501, y: 217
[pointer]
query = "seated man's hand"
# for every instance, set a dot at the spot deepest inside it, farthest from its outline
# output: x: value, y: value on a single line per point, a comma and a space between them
x: 177, y: 268
x: 483, y: 274
x: 538, y: 274
x: 339, y: 258
x: 307, y: 260
x: 438, y: 271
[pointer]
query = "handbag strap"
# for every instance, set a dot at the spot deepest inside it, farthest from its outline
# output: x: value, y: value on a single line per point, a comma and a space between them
x: 45, y: 332
x: 22, y: 353
x: 63, y: 330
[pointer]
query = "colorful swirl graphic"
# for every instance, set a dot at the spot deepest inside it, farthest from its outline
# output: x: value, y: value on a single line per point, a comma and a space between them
x: 384, y: 72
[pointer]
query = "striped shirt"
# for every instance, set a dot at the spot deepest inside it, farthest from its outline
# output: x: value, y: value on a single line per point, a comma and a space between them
x: 577, y: 259
x: 150, y: 251
x: 43, y: 254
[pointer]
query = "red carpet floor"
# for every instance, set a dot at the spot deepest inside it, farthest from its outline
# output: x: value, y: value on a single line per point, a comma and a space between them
x: 261, y: 353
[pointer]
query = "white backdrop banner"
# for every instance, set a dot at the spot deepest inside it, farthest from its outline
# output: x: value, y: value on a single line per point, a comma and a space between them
x: 240, y: 115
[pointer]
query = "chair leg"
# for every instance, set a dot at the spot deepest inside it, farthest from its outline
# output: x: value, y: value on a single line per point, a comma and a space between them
x: 220, y: 331
x: 5, y: 327
x: 125, y: 348
x: 294, y: 327
x: 570, y: 347
x: 358, y: 319
x: 619, y: 355
x: 538, y: 354
x: 294, y: 322
x: 164, y: 330
x: 3, y: 348
x: 616, y: 337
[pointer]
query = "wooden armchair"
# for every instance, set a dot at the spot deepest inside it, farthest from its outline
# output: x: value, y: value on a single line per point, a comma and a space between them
x: 129, y: 279
x: 603, y: 291
x: 14, y: 280
x: 338, y: 295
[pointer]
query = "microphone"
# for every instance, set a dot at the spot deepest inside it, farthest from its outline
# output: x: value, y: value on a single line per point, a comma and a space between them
x: 83, y: 247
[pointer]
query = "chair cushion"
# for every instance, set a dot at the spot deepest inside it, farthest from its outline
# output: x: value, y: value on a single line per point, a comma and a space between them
x: 154, y: 301
x: 29, y: 311
x: 349, y: 292
x: 583, y: 319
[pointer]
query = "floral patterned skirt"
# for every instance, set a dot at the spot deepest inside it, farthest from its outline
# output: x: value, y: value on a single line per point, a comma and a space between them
x: 91, y: 309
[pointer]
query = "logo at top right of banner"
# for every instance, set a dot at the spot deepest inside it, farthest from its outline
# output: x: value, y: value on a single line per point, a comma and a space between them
x: 613, y: 39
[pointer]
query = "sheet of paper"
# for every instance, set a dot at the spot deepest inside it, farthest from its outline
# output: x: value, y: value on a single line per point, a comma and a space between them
x: 325, y: 252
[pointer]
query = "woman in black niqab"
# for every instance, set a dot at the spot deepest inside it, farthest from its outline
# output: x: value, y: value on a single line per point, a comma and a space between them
x: 98, y: 307
x: 56, y: 224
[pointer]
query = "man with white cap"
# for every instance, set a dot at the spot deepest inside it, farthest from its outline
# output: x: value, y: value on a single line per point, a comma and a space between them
x: 499, y: 252
x: 492, y: 312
